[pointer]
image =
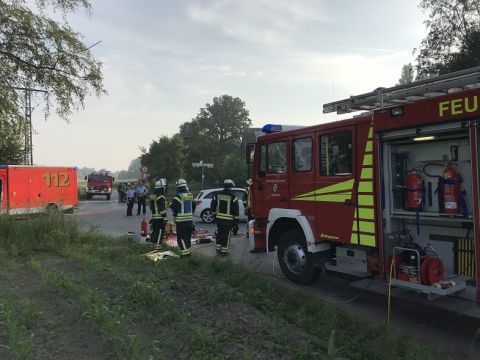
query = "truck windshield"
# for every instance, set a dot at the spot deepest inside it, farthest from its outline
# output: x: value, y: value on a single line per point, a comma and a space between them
x: 98, y: 178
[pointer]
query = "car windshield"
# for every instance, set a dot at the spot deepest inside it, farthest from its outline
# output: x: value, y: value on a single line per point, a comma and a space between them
x: 199, y: 195
x: 98, y: 178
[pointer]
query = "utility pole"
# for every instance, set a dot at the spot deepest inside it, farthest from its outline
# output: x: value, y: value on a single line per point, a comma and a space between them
x: 28, y: 131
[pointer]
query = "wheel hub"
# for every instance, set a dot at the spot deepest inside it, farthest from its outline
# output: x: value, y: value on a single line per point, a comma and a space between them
x: 295, y: 258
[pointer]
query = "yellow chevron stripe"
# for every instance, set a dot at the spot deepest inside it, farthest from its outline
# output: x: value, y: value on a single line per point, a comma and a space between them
x: 340, y: 197
x: 367, y: 174
x: 368, y: 147
x: 365, y: 187
x: 367, y: 240
x: 354, y: 238
x: 344, y: 185
x: 365, y: 200
x: 370, y: 133
x: 363, y: 213
x: 365, y: 226
x: 367, y: 159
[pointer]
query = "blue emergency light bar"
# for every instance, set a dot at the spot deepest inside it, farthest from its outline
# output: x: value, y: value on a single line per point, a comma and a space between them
x: 271, y: 128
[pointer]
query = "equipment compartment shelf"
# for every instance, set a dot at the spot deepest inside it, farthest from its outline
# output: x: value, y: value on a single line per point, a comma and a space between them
x: 426, y: 289
x: 430, y: 216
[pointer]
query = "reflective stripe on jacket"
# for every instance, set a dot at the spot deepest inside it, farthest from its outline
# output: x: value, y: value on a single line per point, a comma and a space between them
x: 158, y: 213
x: 225, y: 206
x: 185, y: 213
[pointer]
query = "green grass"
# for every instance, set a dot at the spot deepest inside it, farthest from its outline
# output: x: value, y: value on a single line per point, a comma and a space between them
x: 124, y: 297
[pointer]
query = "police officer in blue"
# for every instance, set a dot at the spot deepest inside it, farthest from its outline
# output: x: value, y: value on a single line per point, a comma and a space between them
x: 141, y: 193
x: 225, y: 208
x: 183, y: 207
x: 130, y: 199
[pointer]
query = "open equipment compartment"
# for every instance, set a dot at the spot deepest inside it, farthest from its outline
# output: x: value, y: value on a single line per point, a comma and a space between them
x: 427, y: 206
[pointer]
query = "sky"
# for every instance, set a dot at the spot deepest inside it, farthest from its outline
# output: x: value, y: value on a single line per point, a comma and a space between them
x: 165, y: 60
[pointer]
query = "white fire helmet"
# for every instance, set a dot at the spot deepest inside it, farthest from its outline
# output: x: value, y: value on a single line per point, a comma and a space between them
x: 160, y: 183
x: 181, y: 182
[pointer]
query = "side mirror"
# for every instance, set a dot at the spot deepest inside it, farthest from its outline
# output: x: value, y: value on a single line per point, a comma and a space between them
x: 113, y: 179
x: 249, y: 152
x: 85, y: 178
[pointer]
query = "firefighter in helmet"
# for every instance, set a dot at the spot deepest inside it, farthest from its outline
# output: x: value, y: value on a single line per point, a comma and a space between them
x: 183, y: 207
x: 225, y: 208
x: 158, y: 206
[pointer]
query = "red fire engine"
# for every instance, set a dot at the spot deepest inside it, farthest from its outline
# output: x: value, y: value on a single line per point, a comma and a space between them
x: 33, y: 189
x: 392, y: 192
x: 99, y: 183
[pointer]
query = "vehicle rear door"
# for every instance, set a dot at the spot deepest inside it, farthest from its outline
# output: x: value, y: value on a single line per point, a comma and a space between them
x: 335, y: 193
x: 271, y: 189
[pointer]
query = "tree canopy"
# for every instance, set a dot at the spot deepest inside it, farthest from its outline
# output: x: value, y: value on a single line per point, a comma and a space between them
x: 453, y: 37
x: 37, y: 52
x: 215, y: 136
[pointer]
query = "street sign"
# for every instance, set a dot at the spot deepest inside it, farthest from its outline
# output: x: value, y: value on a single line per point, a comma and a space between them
x: 144, y: 169
x: 202, y: 164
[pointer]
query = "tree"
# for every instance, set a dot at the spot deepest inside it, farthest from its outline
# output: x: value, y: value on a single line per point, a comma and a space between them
x: 38, y: 52
x: 407, y: 75
x: 11, y: 143
x: 217, y: 131
x: 164, y: 158
x: 133, y: 171
x: 452, y: 39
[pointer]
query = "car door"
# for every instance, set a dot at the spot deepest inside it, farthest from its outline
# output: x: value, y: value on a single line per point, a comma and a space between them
x: 271, y: 190
x: 335, y: 191
x: 302, y: 176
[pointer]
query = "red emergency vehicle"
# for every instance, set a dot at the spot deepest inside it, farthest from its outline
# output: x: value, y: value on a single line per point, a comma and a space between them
x: 99, y: 183
x: 34, y: 189
x: 392, y: 192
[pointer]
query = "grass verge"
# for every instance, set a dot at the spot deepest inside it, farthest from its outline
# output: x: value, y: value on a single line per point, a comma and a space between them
x: 179, y: 308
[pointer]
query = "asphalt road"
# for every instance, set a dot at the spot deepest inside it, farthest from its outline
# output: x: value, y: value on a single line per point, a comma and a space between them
x: 411, y: 314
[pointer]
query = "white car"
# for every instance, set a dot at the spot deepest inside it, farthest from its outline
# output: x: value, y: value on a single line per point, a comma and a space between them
x: 204, y: 199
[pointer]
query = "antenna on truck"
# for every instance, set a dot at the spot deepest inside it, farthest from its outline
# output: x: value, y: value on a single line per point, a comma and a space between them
x: 401, y: 94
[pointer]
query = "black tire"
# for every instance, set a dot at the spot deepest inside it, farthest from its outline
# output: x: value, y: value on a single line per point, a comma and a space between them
x: 108, y: 196
x: 89, y: 196
x: 207, y: 216
x: 296, y: 262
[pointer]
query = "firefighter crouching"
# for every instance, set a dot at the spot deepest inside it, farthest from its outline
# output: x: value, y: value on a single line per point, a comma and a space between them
x: 183, y: 207
x: 225, y: 208
x: 159, y: 212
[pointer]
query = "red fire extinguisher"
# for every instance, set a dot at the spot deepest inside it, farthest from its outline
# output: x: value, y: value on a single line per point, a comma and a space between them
x: 414, y: 190
x: 451, y: 180
x: 143, y: 227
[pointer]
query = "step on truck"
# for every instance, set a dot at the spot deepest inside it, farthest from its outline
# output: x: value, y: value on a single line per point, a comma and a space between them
x: 99, y: 183
x: 391, y: 193
x: 36, y: 189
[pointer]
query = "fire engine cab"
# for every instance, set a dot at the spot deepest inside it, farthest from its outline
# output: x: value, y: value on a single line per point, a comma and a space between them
x: 392, y: 192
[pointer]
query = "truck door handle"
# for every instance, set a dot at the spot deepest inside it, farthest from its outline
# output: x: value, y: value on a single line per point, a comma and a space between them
x: 349, y: 202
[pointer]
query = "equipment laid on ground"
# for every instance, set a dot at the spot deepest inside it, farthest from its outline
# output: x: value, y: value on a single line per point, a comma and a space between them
x: 379, y: 190
x: 99, y: 183
x: 35, y: 189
